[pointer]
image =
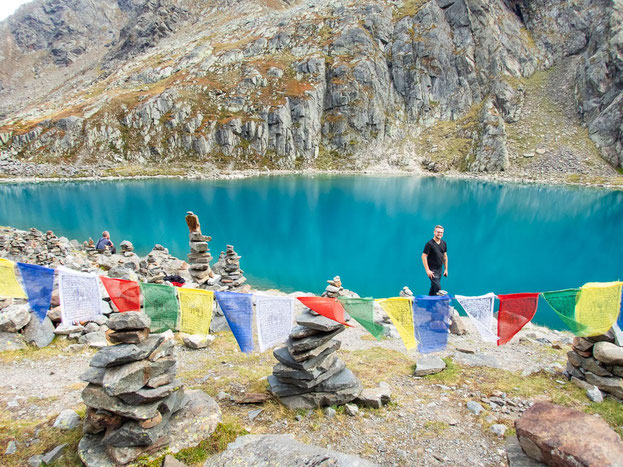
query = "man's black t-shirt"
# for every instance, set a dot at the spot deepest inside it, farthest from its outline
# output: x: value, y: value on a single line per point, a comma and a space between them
x: 435, y: 253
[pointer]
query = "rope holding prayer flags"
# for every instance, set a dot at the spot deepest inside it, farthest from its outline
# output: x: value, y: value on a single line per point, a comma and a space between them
x: 238, y: 311
x: 563, y: 302
x: 362, y: 311
x: 400, y: 311
x: 328, y: 307
x: 274, y: 316
x: 431, y: 321
x: 160, y: 304
x: 479, y: 309
x: 195, y: 310
x: 79, y: 296
x: 126, y: 295
x: 9, y: 287
x: 598, y: 307
x: 516, y: 310
x: 39, y: 282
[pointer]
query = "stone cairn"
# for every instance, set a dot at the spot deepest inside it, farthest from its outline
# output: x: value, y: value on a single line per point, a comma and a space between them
x: 231, y: 274
x: 309, y: 374
x: 334, y: 289
x: 199, y: 257
x: 597, y: 362
x: 132, y: 391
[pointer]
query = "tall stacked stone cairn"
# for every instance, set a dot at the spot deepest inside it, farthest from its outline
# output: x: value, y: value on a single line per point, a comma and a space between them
x: 309, y: 373
x: 199, y: 257
x: 231, y: 274
x: 597, y: 361
x: 132, y: 391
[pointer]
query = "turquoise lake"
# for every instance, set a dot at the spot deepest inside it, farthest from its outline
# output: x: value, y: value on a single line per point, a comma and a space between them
x: 294, y: 233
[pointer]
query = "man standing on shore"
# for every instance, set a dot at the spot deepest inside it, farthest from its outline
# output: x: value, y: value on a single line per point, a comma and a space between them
x: 434, y: 257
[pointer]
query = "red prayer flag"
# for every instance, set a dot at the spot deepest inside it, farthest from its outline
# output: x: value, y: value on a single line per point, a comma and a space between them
x: 124, y: 294
x: 516, y: 310
x: 328, y: 307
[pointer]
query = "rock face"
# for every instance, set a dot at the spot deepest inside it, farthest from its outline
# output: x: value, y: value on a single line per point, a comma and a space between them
x: 598, y: 361
x: 351, y: 78
x: 280, y: 450
x: 561, y: 436
x: 309, y: 374
x: 132, y: 394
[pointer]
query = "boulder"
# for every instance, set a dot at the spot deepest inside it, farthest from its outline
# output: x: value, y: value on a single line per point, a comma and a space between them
x: 14, y: 317
x: 375, y: 397
x: 67, y: 420
x: 429, y: 365
x: 39, y: 333
x: 608, y: 353
x: 129, y: 321
x: 280, y: 450
x: 562, y: 436
x: 198, y: 341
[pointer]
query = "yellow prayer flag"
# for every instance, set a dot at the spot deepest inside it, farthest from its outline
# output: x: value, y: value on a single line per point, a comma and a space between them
x: 195, y: 310
x: 598, y: 307
x: 9, y: 287
x: 400, y: 311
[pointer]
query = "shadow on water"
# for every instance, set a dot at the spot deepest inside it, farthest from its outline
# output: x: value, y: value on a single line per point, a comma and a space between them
x: 295, y: 232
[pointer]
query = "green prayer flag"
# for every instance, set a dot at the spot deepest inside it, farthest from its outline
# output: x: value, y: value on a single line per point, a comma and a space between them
x: 362, y: 311
x: 160, y: 303
x: 563, y: 303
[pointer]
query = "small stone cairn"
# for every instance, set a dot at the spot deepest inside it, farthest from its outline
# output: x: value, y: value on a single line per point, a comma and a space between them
x: 132, y: 391
x: 199, y: 257
x: 597, y: 361
x: 334, y: 289
x: 231, y: 274
x: 309, y: 374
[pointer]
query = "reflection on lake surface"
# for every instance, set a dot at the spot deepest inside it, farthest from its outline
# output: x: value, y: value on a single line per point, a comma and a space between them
x: 294, y: 233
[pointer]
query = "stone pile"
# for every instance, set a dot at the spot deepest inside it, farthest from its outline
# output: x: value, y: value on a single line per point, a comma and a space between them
x: 309, y: 374
x: 334, y: 288
x: 199, y: 257
x: 597, y: 362
x: 132, y: 391
x: 231, y: 274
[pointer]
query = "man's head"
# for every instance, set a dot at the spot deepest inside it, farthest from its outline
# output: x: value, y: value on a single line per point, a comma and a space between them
x: 105, y: 234
x: 438, y: 232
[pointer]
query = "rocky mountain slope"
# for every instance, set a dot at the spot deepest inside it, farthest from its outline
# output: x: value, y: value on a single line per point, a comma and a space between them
x: 309, y: 84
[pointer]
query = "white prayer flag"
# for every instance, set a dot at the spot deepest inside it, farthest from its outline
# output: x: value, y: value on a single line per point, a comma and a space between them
x: 79, y: 295
x: 274, y: 316
x: 480, y: 311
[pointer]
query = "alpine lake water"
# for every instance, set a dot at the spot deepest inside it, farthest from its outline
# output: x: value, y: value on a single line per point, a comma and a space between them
x: 295, y: 232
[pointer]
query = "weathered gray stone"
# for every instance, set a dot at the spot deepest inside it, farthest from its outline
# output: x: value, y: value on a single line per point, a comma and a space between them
x: 375, y: 397
x: 126, y: 378
x: 317, y: 322
x: 457, y: 327
x: 594, y: 394
x: 612, y: 385
x: 67, y: 330
x: 474, y: 407
x: 166, y: 347
x: 132, y: 434
x: 11, y: 341
x: 515, y: 455
x: 119, y: 354
x: 300, y: 347
x: 35, y: 461
x: 94, y: 396
x: 198, y: 341
x: 93, y: 375
x: 147, y: 395
x: 67, y: 420
x: 283, y: 355
x: 39, y: 333
x: 280, y: 450
x: 14, y: 317
x: 162, y: 372
x: 54, y: 454
x: 94, y: 339
x: 282, y: 371
x: 562, y: 436
x: 128, y: 337
x: 299, y: 332
x: 11, y: 448
x: 337, y: 366
x: 498, y: 429
x: 129, y: 321
x: 170, y: 461
x: 592, y: 365
x: 608, y: 353
x: 582, y: 344
x: 429, y: 365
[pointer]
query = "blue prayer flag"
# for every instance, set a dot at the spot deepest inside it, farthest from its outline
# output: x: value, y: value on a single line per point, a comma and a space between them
x: 620, y: 320
x: 238, y: 311
x: 431, y: 322
x: 38, y: 281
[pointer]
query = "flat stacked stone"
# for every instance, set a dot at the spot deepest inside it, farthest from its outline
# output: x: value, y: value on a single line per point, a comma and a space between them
x: 309, y: 374
x: 231, y: 274
x: 597, y: 361
x: 199, y: 257
x: 132, y: 391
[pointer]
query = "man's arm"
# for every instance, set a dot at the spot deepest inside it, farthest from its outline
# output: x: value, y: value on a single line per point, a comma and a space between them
x: 429, y: 273
x: 445, y: 263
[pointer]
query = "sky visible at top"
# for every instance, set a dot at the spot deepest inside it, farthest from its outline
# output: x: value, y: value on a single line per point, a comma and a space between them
x: 8, y: 7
